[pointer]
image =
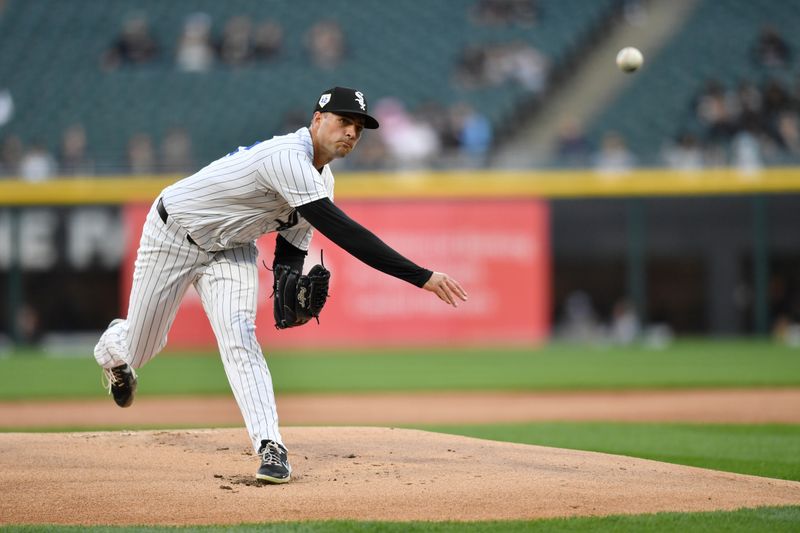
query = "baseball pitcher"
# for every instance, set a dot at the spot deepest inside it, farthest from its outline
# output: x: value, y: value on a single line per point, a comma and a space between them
x: 202, y: 230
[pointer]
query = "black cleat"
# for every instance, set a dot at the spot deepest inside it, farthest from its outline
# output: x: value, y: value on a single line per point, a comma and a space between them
x: 275, y: 466
x: 121, y: 383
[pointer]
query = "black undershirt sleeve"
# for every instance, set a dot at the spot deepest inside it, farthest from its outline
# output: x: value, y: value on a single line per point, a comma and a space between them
x: 361, y: 243
x: 288, y: 254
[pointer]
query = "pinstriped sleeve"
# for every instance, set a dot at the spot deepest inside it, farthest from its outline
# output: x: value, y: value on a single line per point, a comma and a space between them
x: 292, y: 175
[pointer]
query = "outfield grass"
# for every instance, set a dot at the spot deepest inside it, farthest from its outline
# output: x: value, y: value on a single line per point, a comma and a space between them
x: 772, y: 519
x: 768, y: 450
x: 557, y: 366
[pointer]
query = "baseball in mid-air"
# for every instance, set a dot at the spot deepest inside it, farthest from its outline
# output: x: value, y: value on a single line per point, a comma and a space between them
x: 629, y: 59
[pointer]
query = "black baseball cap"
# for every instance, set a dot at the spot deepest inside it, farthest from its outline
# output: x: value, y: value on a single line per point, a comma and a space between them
x: 346, y: 101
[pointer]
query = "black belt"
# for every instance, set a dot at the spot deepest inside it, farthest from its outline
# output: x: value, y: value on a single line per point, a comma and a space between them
x: 162, y: 212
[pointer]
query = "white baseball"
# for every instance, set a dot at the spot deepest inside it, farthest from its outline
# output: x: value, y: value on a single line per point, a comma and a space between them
x: 629, y: 59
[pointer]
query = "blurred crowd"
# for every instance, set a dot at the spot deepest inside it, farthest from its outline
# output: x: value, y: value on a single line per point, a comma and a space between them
x: 34, y: 162
x: 430, y: 135
x: 746, y: 125
x: 433, y: 135
x: 757, y: 123
x: 750, y: 123
x: 241, y: 41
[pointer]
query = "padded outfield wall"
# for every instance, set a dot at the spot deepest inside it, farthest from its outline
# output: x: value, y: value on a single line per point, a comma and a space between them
x: 698, y: 251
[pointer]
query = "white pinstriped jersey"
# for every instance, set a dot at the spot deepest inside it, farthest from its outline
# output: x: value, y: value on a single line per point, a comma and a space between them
x: 250, y: 192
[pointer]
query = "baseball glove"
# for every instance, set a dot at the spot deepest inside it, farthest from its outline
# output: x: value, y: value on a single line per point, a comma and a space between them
x: 299, y: 297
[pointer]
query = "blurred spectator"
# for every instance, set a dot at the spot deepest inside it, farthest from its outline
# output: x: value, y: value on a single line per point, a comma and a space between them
x: 580, y: 323
x: 525, y: 65
x: 625, y: 326
x: 786, y: 331
x: 635, y: 12
x: 326, y: 44
x: 268, y: 41
x: 37, y: 164
x: 506, y: 12
x: 11, y: 150
x: 474, y: 134
x: 195, y: 52
x: 176, y: 151
x: 28, y: 325
x: 746, y: 152
x: 614, y: 156
x: 141, y: 155
x: 444, y: 123
x: 714, y: 111
x: 73, y: 158
x: 684, y: 154
x: 470, y: 66
x: 235, y: 47
x: 784, y: 306
x: 771, y: 50
x: 411, y: 143
x: 748, y: 99
x: 6, y: 107
x: 572, y: 146
x: 496, y: 64
x: 788, y: 129
x: 795, y: 92
x: 775, y: 99
x: 134, y: 46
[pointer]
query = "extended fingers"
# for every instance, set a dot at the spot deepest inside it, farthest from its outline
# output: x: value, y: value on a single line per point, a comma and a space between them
x: 449, y: 289
x: 456, y: 289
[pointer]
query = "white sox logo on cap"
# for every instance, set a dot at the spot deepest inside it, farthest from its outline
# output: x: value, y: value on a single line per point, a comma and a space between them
x: 343, y: 100
x: 360, y: 100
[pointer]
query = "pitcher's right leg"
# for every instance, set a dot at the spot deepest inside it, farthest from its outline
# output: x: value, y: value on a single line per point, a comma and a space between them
x: 166, y: 265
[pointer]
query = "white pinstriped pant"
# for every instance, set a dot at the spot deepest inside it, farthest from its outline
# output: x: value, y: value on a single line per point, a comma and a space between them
x: 227, y: 281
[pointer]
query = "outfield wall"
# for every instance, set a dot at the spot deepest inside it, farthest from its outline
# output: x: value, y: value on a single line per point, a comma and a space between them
x: 678, y: 244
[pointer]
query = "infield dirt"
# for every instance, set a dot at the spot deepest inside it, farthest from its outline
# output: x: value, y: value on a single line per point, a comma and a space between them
x: 183, y: 477
x: 205, y: 477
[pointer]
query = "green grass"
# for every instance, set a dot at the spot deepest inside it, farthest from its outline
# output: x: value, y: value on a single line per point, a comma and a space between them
x: 761, y: 450
x: 686, y: 364
x: 772, y: 519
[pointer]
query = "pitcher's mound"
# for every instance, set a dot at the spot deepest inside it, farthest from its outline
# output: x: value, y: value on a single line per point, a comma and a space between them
x: 206, y: 477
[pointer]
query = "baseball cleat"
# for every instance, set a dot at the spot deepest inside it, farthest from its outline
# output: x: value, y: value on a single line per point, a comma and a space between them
x: 275, y: 466
x: 121, y: 382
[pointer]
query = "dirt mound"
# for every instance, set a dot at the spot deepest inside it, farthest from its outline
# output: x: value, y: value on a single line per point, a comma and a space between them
x: 205, y: 477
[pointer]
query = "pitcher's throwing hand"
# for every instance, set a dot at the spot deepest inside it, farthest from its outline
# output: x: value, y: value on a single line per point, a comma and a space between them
x: 446, y: 288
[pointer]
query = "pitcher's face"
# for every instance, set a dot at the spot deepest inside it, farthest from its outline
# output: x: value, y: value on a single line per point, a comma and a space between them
x: 334, y: 135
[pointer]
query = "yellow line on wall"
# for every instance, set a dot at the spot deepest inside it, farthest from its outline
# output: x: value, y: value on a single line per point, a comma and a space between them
x: 449, y: 184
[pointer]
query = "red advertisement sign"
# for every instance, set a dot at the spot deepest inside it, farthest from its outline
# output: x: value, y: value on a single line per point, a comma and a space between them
x: 498, y: 250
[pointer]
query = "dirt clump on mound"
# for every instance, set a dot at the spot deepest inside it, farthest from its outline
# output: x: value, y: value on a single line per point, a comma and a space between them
x: 206, y: 477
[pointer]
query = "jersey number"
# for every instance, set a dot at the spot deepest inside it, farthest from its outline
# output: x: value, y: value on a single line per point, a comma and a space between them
x: 291, y: 221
